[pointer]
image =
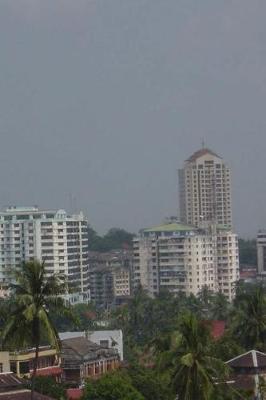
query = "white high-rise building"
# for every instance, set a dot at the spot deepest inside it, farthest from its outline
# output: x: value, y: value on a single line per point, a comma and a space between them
x: 181, y: 258
x: 205, y: 190
x: 54, y: 237
x: 261, y: 253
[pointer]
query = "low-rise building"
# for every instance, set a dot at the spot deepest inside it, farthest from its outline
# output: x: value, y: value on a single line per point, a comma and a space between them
x: 83, y: 359
x: 21, y: 362
x: 112, y: 339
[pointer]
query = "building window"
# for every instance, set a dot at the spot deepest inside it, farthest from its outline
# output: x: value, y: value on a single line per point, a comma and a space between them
x: 1, y: 368
x: 104, y: 343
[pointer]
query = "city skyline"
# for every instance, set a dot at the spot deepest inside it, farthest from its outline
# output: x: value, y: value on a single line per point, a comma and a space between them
x: 102, y: 101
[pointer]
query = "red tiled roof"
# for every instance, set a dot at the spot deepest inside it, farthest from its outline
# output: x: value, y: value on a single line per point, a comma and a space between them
x: 74, y: 394
x: 49, y: 371
x: 200, y: 153
x: 217, y: 328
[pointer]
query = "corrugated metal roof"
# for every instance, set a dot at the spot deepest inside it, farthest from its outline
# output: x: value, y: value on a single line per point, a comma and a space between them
x: 9, y: 380
x: 23, y: 395
x: 251, y: 359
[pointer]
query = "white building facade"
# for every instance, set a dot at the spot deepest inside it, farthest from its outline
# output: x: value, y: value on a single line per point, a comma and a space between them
x: 180, y: 258
x: 261, y: 253
x: 54, y: 237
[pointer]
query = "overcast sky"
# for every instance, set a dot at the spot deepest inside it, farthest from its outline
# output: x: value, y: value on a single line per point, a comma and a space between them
x: 102, y: 100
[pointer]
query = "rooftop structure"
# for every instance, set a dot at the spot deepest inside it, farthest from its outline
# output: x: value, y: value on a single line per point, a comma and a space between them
x: 112, y: 339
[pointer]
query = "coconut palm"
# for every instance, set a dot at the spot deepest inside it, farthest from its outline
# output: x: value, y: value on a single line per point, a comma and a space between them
x: 196, y: 374
x: 249, y: 319
x: 219, y: 307
x: 33, y: 295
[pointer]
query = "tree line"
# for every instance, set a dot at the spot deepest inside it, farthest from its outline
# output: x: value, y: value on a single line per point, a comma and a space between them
x: 114, y: 239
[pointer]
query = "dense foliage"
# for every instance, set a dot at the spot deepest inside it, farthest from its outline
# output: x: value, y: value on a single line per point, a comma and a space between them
x: 171, y: 338
x: 115, y: 238
x: 82, y: 318
x: 116, y: 386
x: 248, y: 252
x: 48, y: 386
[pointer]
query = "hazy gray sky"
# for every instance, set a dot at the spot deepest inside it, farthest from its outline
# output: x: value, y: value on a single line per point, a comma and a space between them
x: 102, y: 100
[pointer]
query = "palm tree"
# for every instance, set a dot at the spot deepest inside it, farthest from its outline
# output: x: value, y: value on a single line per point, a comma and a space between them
x: 196, y: 374
x: 219, y: 307
x: 205, y: 297
x: 249, y: 317
x: 34, y: 295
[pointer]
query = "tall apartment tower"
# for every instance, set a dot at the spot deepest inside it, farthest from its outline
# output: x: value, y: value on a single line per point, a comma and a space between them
x: 181, y: 258
x: 205, y: 190
x: 54, y: 237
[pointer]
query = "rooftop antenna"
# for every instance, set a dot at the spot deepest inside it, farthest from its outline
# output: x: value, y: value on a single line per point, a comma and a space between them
x: 203, y: 143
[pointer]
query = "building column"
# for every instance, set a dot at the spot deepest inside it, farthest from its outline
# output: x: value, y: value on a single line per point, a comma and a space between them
x: 18, y: 368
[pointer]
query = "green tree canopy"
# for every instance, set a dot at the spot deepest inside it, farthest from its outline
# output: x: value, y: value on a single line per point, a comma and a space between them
x: 249, y: 317
x: 115, y: 238
x: 248, y: 252
x: 112, y: 386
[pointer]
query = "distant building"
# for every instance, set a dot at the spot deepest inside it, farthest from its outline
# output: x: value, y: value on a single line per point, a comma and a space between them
x: 58, y: 239
x: 248, y: 273
x: 261, y: 253
x: 181, y: 258
x: 205, y: 190
x: 83, y: 359
x: 110, y: 277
